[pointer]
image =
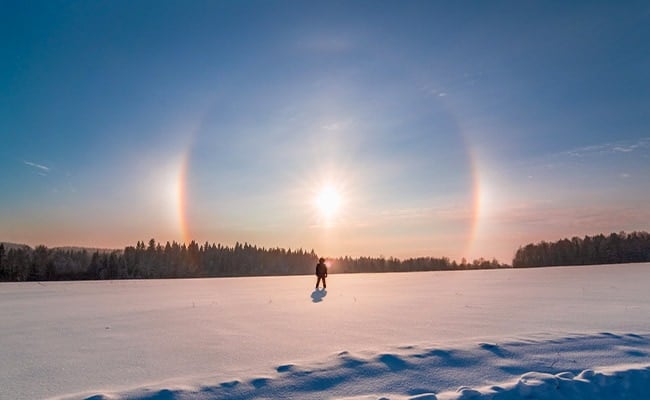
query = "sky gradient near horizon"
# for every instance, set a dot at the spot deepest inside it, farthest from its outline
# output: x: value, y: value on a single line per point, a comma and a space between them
x: 458, y: 129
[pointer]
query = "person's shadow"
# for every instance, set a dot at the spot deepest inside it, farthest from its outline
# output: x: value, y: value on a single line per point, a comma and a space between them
x: 317, y: 295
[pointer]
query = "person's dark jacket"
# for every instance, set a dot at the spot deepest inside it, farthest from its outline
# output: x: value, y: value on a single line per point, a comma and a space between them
x: 321, y: 270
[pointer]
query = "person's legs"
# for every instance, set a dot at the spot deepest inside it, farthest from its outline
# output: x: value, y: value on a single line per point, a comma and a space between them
x: 318, y: 282
x: 324, y: 284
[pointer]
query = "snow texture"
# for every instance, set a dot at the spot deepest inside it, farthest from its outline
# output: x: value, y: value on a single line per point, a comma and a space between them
x: 551, y: 333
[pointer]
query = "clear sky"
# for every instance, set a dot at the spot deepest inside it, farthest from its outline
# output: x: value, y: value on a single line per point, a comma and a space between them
x: 362, y: 128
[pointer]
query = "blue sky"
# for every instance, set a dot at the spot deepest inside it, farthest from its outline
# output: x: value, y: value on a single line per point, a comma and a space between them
x: 460, y: 129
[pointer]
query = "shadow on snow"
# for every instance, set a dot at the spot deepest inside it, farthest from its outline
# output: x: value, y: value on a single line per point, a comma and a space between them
x: 318, y: 295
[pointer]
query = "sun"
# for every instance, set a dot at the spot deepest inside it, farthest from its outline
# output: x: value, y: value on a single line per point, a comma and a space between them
x: 328, y: 201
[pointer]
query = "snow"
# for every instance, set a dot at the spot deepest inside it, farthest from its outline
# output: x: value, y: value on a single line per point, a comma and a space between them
x: 548, y: 333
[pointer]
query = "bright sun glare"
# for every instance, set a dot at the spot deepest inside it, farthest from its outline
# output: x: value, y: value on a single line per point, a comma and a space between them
x: 328, y: 201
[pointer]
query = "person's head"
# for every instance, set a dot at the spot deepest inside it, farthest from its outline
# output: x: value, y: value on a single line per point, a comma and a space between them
x: 321, y: 260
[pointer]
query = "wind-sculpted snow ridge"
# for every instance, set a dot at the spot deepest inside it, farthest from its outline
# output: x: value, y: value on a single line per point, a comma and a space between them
x: 601, y: 366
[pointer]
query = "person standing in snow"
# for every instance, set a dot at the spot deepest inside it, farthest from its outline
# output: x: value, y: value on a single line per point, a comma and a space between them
x: 321, y: 272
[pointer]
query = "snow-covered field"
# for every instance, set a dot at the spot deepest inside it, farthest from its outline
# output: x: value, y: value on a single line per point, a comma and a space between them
x: 551, y: 333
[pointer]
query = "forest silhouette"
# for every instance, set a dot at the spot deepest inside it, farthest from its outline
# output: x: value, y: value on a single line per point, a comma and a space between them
x: 173, y: 260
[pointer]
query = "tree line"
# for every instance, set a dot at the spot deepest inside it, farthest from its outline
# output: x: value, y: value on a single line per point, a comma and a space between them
x: 599, y: 249
x: 381, y: 264
x: 173, y: 260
